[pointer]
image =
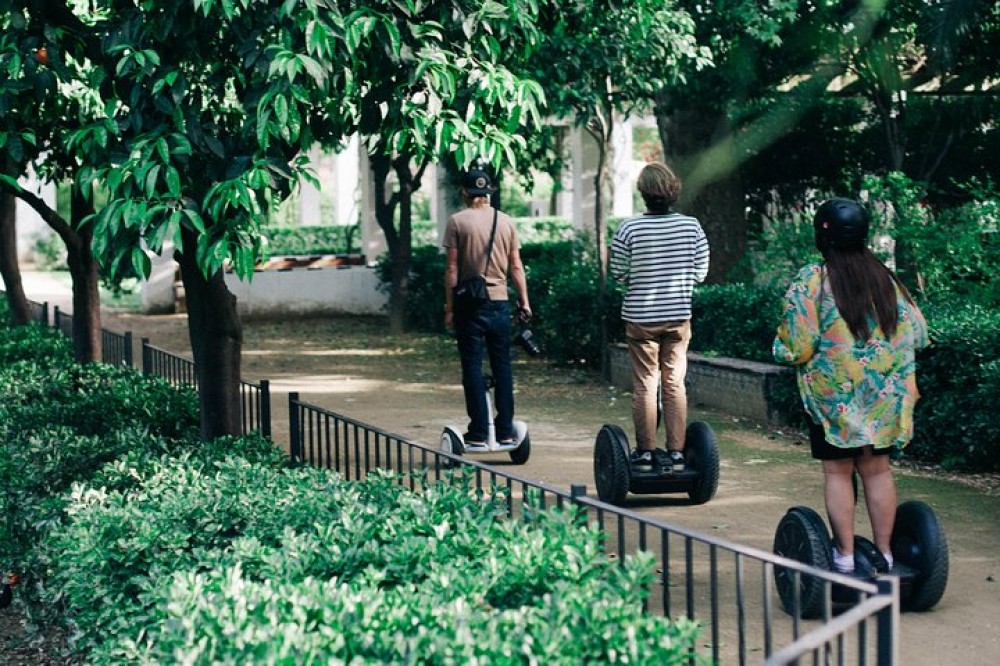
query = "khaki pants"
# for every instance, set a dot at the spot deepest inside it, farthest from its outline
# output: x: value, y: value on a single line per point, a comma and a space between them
x: 659, y: 357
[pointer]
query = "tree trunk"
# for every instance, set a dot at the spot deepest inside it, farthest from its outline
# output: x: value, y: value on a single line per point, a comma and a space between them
x: 86, y: 289
x: 697, y: 144
x: 9, y: 268
x: 216, y: 335
x: 399, y: 253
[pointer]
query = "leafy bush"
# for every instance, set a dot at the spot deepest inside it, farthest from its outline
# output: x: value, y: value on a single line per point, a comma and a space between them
x: 425, y: 304
x: 411, y: 556
x: 224, y: 617
x: 96, y: 399
x: 959, y: 381
x: 529, y: 230
x: 337, y: 239
x: 736, y: 320
x: 36, y: 342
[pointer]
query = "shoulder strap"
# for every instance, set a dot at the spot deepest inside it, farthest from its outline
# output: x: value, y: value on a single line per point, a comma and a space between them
x: 489, y: 246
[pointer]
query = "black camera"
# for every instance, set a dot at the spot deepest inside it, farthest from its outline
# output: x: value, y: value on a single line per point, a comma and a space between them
x: 527, y: 342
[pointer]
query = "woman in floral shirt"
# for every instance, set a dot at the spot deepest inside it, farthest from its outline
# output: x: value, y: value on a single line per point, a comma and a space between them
x: 851, y: 328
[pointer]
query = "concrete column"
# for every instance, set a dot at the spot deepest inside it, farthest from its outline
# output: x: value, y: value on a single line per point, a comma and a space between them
x: 446, y: 199
x: 309, y: 195
x: 584, y: 152
x: 622, y: 169
x: 346, y: 167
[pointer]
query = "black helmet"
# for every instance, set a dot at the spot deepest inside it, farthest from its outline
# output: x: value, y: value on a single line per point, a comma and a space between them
x: 841, y: 224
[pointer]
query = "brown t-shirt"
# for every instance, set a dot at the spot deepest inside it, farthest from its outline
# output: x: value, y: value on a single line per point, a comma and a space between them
x: 469, y: 231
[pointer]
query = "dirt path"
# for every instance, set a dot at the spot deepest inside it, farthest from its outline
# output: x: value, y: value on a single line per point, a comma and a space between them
x: 408, y: 386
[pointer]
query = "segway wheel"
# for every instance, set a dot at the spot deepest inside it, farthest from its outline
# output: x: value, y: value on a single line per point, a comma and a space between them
x: 611, y: 473
x: 520, y: 455
x: 802, y: 536
x: 702, y: 456
x: 451, y: 443
x: 919, y: 542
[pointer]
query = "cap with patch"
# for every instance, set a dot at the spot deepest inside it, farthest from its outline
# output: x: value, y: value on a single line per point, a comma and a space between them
x: 477, y: 183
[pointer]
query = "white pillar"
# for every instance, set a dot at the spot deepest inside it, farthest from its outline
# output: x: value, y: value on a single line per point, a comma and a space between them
x: 584, y: 152
x: 446, y: 200
x: 346, y: 168
x: 622, y: 169
x: 309, y: 195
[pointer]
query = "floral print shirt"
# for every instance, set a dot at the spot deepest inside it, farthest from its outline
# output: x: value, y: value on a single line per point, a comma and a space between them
x: 862, y: 393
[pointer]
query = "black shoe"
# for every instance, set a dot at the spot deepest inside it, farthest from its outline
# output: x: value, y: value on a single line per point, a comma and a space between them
x: 471, y: 443
x: 661, y: 459
x: 677, y: 462
x: 641, y: 460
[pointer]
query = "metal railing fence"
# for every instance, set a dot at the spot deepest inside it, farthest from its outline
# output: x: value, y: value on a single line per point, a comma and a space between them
x: 116, y: 348
x: 39, y: 311
x: 728, y: 588
x: 177, y: 370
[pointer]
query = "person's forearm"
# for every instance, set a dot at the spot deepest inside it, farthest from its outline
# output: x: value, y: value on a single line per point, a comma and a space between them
x: 521, y: 286
x: 450, y: 280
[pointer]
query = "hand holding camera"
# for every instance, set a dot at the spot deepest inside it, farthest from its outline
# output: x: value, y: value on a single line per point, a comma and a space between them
x: 526, y: 340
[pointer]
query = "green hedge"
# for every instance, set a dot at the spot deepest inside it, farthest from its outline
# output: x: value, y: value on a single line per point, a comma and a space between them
x: 959, y: 381
x: 343, y: 239
x: 311, y: 240
x: 958, y: 375
x: 151, y: 546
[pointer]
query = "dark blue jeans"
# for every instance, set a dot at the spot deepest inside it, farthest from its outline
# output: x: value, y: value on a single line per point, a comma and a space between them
x: 487, y: 329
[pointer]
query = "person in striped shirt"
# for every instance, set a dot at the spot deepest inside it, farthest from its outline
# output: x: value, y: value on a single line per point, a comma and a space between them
x: 659, y: 256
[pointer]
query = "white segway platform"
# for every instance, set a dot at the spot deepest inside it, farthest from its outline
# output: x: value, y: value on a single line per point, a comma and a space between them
x: 519, y: 451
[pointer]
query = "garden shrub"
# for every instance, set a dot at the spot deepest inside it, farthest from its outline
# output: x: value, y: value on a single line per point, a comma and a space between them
x: 311, y: 240
x: 224, y: 617
x: 425, y: 303
x: 127, y: 560
x: 736, y: 320
x: 35, y: 342
x: 959, y: 381
x: 97, y: 398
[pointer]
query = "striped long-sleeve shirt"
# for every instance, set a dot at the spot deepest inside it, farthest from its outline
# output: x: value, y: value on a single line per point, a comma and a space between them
x: 660, y: 258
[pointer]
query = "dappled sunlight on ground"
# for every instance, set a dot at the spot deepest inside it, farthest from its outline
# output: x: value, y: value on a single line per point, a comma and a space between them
x: 331, y: 352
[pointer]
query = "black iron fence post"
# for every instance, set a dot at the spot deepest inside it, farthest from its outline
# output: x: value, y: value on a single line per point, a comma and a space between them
x: 265, y: 408
x: 294, y: 429
x: 146, y: 360
x: 888, y: 623
x: 127, y: 359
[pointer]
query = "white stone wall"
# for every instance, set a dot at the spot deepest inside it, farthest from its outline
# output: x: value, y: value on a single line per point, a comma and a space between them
x: 308, y: 291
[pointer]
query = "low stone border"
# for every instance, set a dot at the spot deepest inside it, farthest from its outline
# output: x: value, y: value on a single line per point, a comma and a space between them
x: 748, y: 389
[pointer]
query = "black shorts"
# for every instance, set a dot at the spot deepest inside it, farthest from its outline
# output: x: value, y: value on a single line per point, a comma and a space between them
x: 823, y: 450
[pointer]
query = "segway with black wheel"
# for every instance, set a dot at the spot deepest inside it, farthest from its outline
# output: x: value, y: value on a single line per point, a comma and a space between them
x: 919, y: 551
x: 616, y: 478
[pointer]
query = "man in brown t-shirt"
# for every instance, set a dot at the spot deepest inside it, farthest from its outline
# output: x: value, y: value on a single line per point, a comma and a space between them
x: 487, y: 328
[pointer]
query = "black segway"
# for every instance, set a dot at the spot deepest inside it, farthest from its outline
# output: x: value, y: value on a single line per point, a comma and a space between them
x: 615, y: 477
x: 919, y: 550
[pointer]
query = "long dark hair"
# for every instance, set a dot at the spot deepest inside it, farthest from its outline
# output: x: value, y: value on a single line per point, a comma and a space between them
x: 862, y: 287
